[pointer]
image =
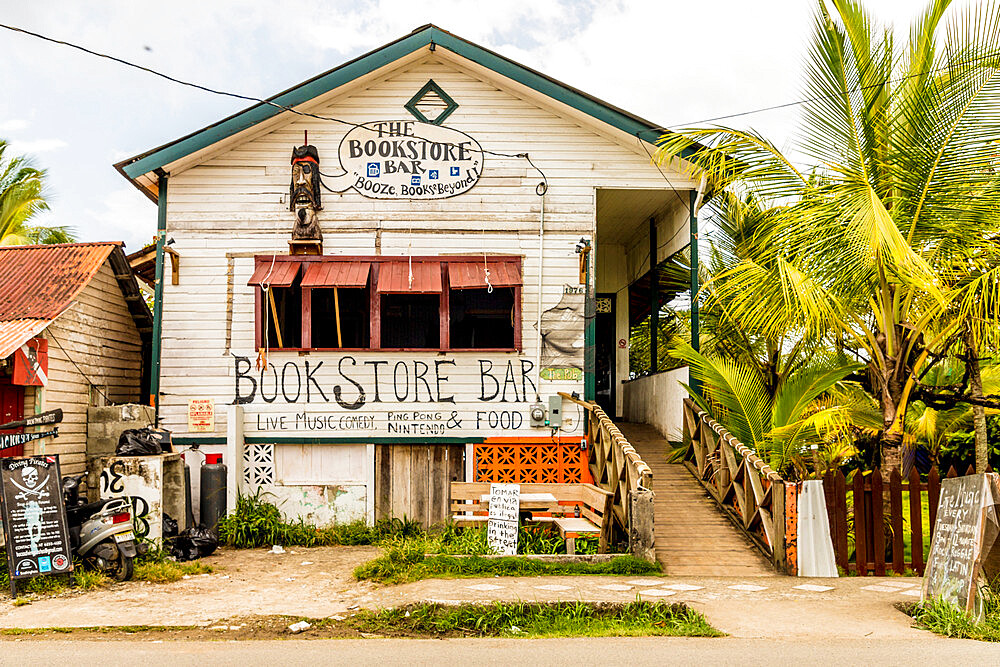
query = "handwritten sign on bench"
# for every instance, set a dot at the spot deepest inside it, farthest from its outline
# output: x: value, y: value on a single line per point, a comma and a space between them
x: 965, y: 532
x: 501, y: 527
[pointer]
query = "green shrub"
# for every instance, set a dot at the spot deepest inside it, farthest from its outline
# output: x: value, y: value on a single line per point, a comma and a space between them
x: 258, y: 523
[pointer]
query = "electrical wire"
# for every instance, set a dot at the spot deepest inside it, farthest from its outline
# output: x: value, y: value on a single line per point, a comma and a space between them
x: 73, y: 361
x: 663, y: 128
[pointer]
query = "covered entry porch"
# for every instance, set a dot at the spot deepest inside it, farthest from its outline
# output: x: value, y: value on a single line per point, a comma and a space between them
x: 645, y: 270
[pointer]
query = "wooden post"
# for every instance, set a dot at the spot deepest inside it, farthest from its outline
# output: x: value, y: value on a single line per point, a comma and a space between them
x: 336, y: 310
x: 933, y: 496
x: 779, y: 558
x: 896, y: 518
x: 877, y: 526
x: 843, y: 558
x: 860, y: 525
x: 306, y: 340
x: 916, y: 523
x: 274, y: 314
x: 607, y: 520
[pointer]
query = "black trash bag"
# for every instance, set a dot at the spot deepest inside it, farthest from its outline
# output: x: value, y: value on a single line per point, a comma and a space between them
x: 194, y: 543
x: 169, y: 527
x: 143, y: 442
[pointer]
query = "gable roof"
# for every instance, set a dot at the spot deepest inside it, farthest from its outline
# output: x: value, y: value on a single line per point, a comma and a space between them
x: 38, y: 283
x: 151, y: 161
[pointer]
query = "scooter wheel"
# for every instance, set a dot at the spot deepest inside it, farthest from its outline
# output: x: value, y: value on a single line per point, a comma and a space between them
x: 121, y: 570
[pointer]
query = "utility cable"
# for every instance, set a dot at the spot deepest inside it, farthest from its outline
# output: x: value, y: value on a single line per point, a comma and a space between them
x: 73, y: 361
x: 664, y: 128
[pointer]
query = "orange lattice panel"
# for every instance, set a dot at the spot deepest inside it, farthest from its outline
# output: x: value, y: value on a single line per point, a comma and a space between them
x: 531, y: 463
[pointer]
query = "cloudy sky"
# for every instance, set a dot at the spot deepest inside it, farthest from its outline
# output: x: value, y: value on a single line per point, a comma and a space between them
x: 670, y: 61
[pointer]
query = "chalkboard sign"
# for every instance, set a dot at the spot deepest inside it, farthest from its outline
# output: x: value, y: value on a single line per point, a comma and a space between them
x: 966, y: 518
x: 34, y: 520
x: 501, y: 526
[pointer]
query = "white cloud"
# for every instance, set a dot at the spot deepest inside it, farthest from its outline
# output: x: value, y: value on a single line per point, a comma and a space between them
x: 13, y: 125
x: 123, y: 215
x: 33, y: 147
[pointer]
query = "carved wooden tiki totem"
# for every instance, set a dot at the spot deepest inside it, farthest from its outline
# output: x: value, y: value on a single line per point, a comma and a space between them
x: 304, y: 193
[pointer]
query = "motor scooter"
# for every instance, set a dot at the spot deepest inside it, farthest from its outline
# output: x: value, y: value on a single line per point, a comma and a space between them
x: 101, y: 532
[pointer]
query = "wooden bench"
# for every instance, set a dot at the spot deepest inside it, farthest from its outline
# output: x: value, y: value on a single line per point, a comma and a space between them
x: 555, y: 503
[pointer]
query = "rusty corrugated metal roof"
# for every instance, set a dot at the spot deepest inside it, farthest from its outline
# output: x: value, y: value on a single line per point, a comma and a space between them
x: 41, y: 281
x: 336, y: 274
x: 394, y: 277
x: 277, y: 274
x: 13, y: 333
x: 469, y: 275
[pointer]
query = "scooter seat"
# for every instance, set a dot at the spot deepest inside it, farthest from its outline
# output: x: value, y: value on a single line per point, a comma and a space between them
x: 75, y: 516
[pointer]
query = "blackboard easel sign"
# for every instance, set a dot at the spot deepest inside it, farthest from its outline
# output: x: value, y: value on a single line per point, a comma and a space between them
x: 964, y: 535
x: 34, y: 520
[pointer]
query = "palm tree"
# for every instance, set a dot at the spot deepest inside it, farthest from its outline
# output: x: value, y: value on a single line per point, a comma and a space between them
x: 904, y: 192
x: 22, y: 196
x: 780, y: 426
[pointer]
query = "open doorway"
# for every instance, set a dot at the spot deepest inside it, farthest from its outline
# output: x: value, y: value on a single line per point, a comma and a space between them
x: 604, y: 354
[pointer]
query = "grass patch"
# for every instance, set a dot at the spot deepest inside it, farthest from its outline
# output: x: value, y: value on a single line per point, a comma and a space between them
x: 525, y: 619
x: 407, y: 562
x: 944, y: 619
x: 167, y: 571
x: 259, y: 523
x: 256, y: 522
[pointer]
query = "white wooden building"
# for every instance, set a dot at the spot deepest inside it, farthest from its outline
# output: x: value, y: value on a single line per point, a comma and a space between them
x: 401, y: 365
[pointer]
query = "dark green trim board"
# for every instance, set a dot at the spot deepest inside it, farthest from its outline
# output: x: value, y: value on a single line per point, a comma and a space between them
x: 196, y: 441
x: 188, y: 441
x: 161, y: 156
x: 161, y: 234
x: 695, y: 310
x: 332, y: 440
x: 654, y: 300
x: 430, y: 86
x: 589, y: 331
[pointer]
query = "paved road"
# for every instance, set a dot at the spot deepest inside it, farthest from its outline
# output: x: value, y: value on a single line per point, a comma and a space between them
x: 624, y: 651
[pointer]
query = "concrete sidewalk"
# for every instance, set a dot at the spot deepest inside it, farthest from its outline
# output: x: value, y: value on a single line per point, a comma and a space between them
x: 318, y: 583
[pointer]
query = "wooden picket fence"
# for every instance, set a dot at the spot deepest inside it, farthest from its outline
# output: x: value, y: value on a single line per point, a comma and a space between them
x: 879, y: 531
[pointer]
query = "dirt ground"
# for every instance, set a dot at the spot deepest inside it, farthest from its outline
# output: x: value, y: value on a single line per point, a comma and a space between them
x: 314, y: 582
x: 253, y: 594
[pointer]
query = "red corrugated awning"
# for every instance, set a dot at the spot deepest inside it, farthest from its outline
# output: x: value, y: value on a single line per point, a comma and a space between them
x: 336, y: 274
x: 470, y: 275
x: 282, y: 275
x: 394, y: 277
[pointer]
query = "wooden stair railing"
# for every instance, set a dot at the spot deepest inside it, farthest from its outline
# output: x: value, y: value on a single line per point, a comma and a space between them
x: 747, y: 490
x: 618, y: 468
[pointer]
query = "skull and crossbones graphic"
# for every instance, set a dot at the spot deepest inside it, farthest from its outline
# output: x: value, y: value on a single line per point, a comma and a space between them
x: 31, y: 486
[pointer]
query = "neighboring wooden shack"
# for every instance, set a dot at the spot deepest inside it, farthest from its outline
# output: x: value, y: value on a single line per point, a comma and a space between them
x: 482, y: 225
x: 73, y: 329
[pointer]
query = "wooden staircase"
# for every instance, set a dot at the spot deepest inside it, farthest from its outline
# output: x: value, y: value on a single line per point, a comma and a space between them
x: 693, y: 538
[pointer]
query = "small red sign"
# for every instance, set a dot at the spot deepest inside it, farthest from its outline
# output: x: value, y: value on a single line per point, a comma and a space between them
x: 31, y: 363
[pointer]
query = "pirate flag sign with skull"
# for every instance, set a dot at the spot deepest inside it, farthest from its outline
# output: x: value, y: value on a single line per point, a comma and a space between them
x: 34, y: 519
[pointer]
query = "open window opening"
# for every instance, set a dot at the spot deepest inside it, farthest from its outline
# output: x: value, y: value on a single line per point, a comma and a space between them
x: 411, y: 320
x: 482, y: 319
x: 341, y: 317
x: 284, y: 316
x: 388, y: 303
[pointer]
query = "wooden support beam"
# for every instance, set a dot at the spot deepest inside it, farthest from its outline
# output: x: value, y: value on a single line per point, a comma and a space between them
x: 274, y: 314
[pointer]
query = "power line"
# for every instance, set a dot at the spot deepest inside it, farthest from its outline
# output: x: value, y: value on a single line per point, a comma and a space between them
x: 73, y: 361
x: 249, y: 98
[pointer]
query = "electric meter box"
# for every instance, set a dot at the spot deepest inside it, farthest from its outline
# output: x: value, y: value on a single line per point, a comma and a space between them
x: 555, y: 411
x: 536, y: 415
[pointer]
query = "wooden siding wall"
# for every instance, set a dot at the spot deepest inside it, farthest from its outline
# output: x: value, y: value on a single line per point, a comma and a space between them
x: 234, y: 203
x: 99, y: 335
x: 414, y: 481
